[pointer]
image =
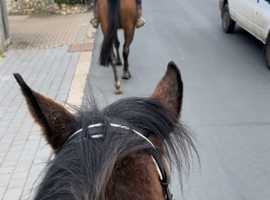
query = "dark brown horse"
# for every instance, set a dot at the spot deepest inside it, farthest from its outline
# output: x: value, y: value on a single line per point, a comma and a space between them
x: 115, y: 14
x: 122, y: 152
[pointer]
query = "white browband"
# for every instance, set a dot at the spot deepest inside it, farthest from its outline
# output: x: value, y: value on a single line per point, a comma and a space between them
x: 96, y: 136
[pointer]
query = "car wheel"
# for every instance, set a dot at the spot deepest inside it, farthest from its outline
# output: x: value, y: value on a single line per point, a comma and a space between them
x: 267, y: 52
x: 228, y: 23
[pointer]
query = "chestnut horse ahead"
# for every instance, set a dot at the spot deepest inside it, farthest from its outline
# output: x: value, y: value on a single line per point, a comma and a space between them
x: 124, y: 151
x: 113, y: 15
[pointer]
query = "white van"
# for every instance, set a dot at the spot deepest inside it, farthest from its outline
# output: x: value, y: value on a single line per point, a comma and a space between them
x: 251, y: 15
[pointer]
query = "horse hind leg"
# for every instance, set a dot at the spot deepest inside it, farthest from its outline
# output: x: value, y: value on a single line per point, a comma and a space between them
x: 117, y: 46
x: 117, y: 83
x: 126, y: 74
x: 129, y: 34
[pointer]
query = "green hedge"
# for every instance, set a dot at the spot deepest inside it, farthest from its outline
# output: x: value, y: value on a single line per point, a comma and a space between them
x: 70, y: 1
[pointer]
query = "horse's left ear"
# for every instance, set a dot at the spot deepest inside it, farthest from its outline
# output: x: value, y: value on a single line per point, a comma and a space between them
x: 169, y: 91
x: 57, y: 123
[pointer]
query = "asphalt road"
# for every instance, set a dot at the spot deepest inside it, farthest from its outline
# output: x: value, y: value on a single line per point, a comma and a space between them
x: 227, y: 94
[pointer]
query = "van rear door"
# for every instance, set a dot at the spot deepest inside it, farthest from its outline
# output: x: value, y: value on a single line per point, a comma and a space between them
x: 243, y: 12
x: 263, y: 18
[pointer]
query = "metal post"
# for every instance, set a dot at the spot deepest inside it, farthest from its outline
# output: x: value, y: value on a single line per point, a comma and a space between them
x: 4, y: 27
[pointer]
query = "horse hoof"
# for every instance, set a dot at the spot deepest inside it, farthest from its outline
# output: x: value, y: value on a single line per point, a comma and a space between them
x: 118, y: 88
x: 126, y: 75
x: 118, y: 92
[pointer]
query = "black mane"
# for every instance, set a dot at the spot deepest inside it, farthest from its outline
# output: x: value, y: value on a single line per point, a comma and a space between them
x: 82, y: 168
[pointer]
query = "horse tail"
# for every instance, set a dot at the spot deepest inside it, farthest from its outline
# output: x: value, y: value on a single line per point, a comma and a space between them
x: 111, y: 33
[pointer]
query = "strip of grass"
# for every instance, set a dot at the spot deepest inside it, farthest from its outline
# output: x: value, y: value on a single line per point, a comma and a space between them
x: 1, y: 55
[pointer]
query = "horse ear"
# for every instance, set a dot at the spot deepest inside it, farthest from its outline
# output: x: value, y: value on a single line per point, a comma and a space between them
x: 57, y: 123
x: 169, y: 91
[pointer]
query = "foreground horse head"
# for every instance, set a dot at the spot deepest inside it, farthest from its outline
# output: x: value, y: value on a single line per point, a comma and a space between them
x: 115, y: 14
x: 124, y: 151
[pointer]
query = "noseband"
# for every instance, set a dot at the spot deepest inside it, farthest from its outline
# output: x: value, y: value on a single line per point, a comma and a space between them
x: 153, y: 151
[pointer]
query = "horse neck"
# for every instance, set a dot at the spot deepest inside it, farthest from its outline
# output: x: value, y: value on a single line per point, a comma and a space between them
x: 136, y: 178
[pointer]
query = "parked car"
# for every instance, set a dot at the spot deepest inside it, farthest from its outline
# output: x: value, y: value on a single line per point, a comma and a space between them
x: 251, y: 15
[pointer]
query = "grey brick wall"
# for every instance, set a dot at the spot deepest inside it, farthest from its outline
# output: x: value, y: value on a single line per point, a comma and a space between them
x: 28, y: 6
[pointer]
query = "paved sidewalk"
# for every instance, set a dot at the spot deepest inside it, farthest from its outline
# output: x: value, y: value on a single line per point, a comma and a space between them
x: 57, y: 68
x: 48, y: 31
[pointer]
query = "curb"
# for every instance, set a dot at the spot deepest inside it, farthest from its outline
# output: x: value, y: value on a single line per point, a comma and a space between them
x: 78, y: 84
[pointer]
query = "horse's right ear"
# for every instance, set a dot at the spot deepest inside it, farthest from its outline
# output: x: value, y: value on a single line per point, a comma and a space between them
x: 57, y: 123
x: 169, y: 91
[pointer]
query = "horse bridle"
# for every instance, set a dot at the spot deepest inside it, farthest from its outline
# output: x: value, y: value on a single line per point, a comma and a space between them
x: 153, y: 151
